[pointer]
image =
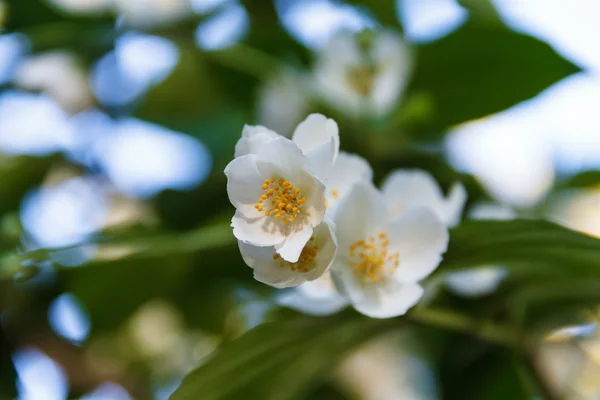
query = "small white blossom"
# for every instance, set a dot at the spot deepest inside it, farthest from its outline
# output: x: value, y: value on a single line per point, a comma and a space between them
x: 315, y: 259
x: 482, y: 280
x: 317, y: 137
x: 406, y: 189
x: 345, y: 172
x: 363, y: 75
x: 380, y: 260
x: 278, y: 201
x: 144, y: 13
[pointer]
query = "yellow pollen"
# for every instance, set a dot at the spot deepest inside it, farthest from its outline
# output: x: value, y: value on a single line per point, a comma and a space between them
x: 280, y: 198
x: 304, y: 263
x: 372, y: 261
x: 335, y: 194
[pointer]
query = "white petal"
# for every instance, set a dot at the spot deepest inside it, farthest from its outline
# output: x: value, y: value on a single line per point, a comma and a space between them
x: 381, y: 300
x: 475, y: 282
x: 283, y: 155
x: 327, y: 302
x: 251, y: 145
x: 358, y: 215
x: 347, y: 170
x: 420, y: 238
x: 261, y: 231
x: 405, y: 189
x: 318, y: 137
x: 314, y: 191
x: 244, y: 182
x: 250, y: 131
x: 455, y: 204
x: 298, y: 234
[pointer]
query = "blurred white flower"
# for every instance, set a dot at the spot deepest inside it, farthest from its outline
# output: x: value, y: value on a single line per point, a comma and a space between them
x: 278, y: 201
x: 145, y: 13
x: 282, y: 102
x: 225, y: 28
x: 317, y: 137
x: 59, y: 75
x: 33, y: 124
x: 363, y: 74
x: 407, y: 189
x: 142, y: 159
x: 482, y: 280
x: 84, y: 7
x: 319, y: 297
x: 380, y: 260
x: 315, y: 258
x: 64, y: 214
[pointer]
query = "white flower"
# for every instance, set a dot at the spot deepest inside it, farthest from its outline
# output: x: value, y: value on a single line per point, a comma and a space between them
x: 406, y: 189
x: 277, y: 200
x: 317, y: 137
x: 319, y: 297
x: 315, y: 259
x: 364, y: 77
x: 380, y: 260
x: 485, y: 279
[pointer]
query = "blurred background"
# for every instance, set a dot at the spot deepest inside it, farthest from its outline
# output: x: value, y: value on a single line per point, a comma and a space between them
x: 118, y: 272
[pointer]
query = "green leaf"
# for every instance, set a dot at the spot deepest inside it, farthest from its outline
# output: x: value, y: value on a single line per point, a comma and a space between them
x: 528, y: 246
x: 481, y: 69
x: 586, y: 179
x: 279, y: 360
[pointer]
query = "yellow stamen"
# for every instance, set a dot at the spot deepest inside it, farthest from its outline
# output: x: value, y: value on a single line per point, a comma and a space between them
x: 372, y: 261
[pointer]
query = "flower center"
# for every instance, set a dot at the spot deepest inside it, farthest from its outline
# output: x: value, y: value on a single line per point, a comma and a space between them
x: 371, y: 261
x: 361, y: 78
x: 280, y: 199
x: 308, y: 254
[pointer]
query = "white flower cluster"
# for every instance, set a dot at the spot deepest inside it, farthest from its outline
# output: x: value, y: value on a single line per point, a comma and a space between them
x: 308, y: 216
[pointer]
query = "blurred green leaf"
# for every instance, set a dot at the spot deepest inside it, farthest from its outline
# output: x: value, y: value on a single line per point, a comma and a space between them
x: 481, y: 69
x: 582, y: 180
x: 523, y: 246
x: 19, y: 175
x: 279, y: 360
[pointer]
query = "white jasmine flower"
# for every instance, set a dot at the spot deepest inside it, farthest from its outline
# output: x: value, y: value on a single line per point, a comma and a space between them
x: 406, y: 189
x: 315, y: 259
x: 320, y: 297
x: 380, y: 260
x: 363, y: 74
x: 482, y: 280
x: 317, y: 136
x: 278, y: 201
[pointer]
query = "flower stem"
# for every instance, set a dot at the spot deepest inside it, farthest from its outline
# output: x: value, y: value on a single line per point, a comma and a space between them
x: 484, y: 330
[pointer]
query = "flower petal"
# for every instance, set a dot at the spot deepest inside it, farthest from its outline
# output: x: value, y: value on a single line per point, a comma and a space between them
x: 347, y: 170
x: 314, y: 191
x: 407, y: 188
x: 253, y: 137
x: 318, y: 137
x: 475, y: 282
x: 318, y: 297
x: 420, y: 238
x: 298, y: 233
x: 358, y: 215
x: 381, y: 300
x: 261, y: 231
x: 244, y: 182
x: 455, y: 203
x: 283, y: 155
